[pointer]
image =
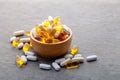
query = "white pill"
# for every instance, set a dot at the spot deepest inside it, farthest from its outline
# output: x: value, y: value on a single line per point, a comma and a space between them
x: 66, y: 29
x: 19, y: 33
x: 23, y: 57
x: 59, y: 60
x: 78, y: 55
x: 50, y: 18
x: 25, y: 40
x: 57, y: 34
x: 65, y: 61
x: 45, y: 66
x: 29, y: 53
x: 91, y: 58
x: 56, y: 66
x: 49, y: 28
x: 12, y: 38
x: 34, y: 32
x: 20, y: 45
x: 78, y: 59
x: 32, y: 58
x: 68, y: 56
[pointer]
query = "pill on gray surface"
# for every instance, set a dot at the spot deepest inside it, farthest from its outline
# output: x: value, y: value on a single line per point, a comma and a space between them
x: 12, y: 38
x: 68, y: 56
x: 45, y: 66
x: 25, y: 40
x: 91, y: 58
x: 78, y: 55
x: 29, y: 53
x: 19, y: 33
x: 78, y: 59
x: 23, y: 57
x: 56, y: 66
x: 59, y: 60
x: 32, y: 58
x: 65, y: 61
x: 20, y: 45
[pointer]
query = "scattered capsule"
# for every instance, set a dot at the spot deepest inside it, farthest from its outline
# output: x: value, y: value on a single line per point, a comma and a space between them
x: 29, y: 53
x: 12, y: 38
x: 78, y: 59
x: 19, y: 33
x: 56, y: 66
x: 15, y: 43
x: 91, y: 58
x: 45, y: 66
x: 72, y: 65
x: 74, y: 50
x: 20, y: 45
x: 59, y: 60
x: 63, y: 63
x: 25, y: 40
x: 31, y: 45
x: 26, y: 47
x: 23, y: 57
x: 27, y: 33
x: 68, y: 56
x: 78, y: 55
x: 19, y: 61
x: 32, y: 58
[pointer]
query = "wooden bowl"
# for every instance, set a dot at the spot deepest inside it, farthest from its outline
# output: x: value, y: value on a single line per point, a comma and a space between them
x: 51, y: 50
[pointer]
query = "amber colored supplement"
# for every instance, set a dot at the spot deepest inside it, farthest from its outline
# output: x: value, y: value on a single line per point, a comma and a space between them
x: 74, y: 50
x: 72, y: 65
x: 19, y: 61
x: 56, y: 20
x: 15, y: 42
x: 26, y: 47
x: 27, y: 33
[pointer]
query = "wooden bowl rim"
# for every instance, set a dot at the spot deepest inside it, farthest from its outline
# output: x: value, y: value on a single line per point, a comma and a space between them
x: 31, y: 35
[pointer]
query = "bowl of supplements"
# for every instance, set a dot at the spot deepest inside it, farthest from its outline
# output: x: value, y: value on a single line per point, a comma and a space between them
x: 51, y: 39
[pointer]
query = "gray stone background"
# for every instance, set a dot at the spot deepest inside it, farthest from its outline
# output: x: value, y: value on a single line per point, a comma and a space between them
x: 96, y: 30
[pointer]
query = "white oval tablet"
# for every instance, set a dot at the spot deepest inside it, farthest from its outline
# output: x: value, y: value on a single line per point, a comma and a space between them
x: 32, y: 58
x: 56, y: 66
x: 45, y: 66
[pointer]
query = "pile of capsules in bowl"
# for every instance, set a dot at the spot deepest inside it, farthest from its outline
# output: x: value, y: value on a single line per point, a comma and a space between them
x: 50, y: 31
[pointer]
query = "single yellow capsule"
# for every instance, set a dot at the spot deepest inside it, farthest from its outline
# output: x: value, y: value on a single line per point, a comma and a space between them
x: 27, y: 33
x: 56, y: 20
x: 72, y: 65
x: 15, y: 43
x: 19, y: 61
x: 26, y: 47
x: 74, y: 50
x: 37, y: 30
x: 30, y: 44
x: 46, y: 24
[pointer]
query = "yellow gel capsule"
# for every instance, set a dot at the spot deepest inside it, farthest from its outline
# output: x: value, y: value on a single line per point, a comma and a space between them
x: 72, y: 65
x: 46, y: 24
x: 26, y: 47
x: 74, y: 50
x: 19, y: 61
x: 58, y: 27
x: 37, y: 30
x: 15, y: 43
x: 30, y: 44
x: 27, y: 33
x: 56, y: 20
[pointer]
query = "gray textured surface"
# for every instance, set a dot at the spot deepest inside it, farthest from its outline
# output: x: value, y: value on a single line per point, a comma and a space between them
x: 96, y: 30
